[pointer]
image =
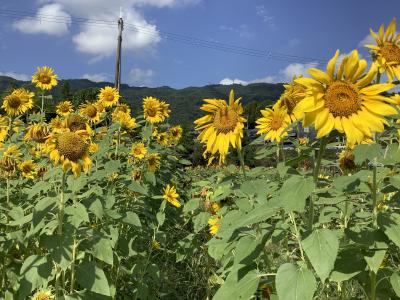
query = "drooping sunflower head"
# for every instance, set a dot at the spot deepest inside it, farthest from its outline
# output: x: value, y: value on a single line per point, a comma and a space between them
x: 44, y: 78
x: 8, y: 166
x: 386, y: 52
x: 293, y: 94
x: 273, y: 123
x: 213, y: 223
x: 91, y: 111
x: 28, y: 169
x: 222, y: 127
x: 71, y: 149
x: 75, y: 122
x: 109, y: 96
x: 346, y: 100
x: 124, y: 119
x: 37, y: 132
x: 64, y: 108
x: 176, y: 133
x: 43, y: 295
x: 346, y: 160
x: 171, y: 195
x: 18, y: 102
x: 152, y: 110
x: 138, y: 150
x: 56, y: 124
x: 153, y: 161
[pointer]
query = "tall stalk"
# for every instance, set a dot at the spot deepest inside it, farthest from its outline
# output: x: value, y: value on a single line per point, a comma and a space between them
x: 241, y: 159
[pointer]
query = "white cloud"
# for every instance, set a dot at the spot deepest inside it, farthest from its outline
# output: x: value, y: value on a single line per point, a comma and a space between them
x: 44, y: 22
x: 97, y: 77
x: 262, y: 12
x: 17, y: 76
x: 228, y: 81
x: 141, y: 77
x: 368, y: 40
x: 243, y: 30
x: 296, y: 69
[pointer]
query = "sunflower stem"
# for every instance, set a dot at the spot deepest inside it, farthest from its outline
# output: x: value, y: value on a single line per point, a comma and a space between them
x: 41, y: 107
x: 118, y: 141
x: 241, y: 159
x: 8, y: 195
x: 72, y: 287
x: 372, y: 274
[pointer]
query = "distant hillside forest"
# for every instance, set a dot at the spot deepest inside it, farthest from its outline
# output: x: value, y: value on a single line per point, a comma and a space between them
x: 185, y: 102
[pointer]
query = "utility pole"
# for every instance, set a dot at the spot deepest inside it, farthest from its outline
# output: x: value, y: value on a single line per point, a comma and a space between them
x: 117, y: 82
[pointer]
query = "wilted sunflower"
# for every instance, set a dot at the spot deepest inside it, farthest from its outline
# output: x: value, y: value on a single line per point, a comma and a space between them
x: 109, y: 96
x: 293, y: 94
x: 76, y: 122
x: 9, y: 160
x: 152, y: 110
x: 214, y: 225
x: 171, y: 195
x: 346, y: 101
x: 28, y: 169
x: 163, y: 139
x: 70, y: 149
x: 274, y: 123
x: 386, y: 52
x: 37, y: 132
x: 124, y: 119
x: 56, y: 124
x: 153, y: 161
x: 43, y: 295
x: 138, y: 150
x: 18, y: 102
x: 18, y: 125
x: 175, y: 133
x: 92, y: 111
x: 222, y: 127
x: 64, y: 108
x: 4, y: 128
x: 44, y: 78
x: 346, y: 160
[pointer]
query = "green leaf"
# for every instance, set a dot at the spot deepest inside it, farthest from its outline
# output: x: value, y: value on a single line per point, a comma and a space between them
x: 60, y: 248
x: 321, y: 247
x: 191, y: 205
x: 138, y: 188
x: 348, y: 264
x: 77, y: 214
x: 294, y: 192
x: 160, y: 218
x: 246, y: 250
x: 200, y: 221
x: 366, y: 152
x: 390, y: 225
x: 91, y: 277
x: 295, y: 282
x: 395, y: 281
x: 238, y: 286
x: 185, y: 162
x: 103, y: 250
x: 132, y: 218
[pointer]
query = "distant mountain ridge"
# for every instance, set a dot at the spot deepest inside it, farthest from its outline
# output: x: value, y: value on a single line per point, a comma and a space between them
x: 184, y: 102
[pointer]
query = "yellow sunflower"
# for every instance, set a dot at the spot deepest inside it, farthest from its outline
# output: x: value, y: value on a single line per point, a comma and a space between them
x: 56, y: 124
x: 64, y: 108
x: 138, y: 150
x: 175, y: 133
x: 4, y: 128
x: 164, y: 109
x: 125, y: 120
x: 222, y: 127
x: 43, y: 295
x: 70, y: 149
x: 76, y: 122
x: 18, y: 125
x: 274, y: 123
x: 18, y: 102
x: 214, y: 225
x: 123, y: 107
x: 91, y: 111
x: 386, y: 52
x: 293, y: 94
x: 171, y: 195
x: 109, y: 96
x: 346, y: 160
x: 152, y: 110
x: 163, y: 139
x: 37, y: 132
x: 44, y: 78
x: 28, y: 169
x: 346, y: 101
x: 153, y: 161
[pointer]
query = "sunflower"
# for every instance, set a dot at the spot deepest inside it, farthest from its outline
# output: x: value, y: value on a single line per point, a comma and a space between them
x: 70, y: 149
x: 138, y: 150
x: 171, y: 195
x: 123, y: 107
x: 124, y: 119
x: 175, y: 133
x: 346, y: 160
x: 64, y: 108
x: 44, y: 78
x: 4, y: 128
x: 18, y: 102
x: 222, y: 127
x: 37, y: 132
x: 93, y: 148
x: 274, y: 123
x: 9, y: 160
x: 109, y: 96
x: 386, y: 52
x: 346, y: 101
x: 214, y: 225
x: 91, y: 111
x: 153, y: 161
x: 28, y: 169
x: 152, y: 110
x: 56, y: 124
x: 164, y: 109
x: 163, y: 139
x: 293, y: 94
x: 18, y: 125
x: 43, y: 295
x: 76, y: 122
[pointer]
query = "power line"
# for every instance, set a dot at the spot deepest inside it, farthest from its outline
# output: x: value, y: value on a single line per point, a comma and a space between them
x: 175, y: 37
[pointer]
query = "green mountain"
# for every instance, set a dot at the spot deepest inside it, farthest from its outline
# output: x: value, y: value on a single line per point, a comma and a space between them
x: 185, y: 102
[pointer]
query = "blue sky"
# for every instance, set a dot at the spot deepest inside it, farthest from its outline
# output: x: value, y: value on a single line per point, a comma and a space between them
x: 63, y: 40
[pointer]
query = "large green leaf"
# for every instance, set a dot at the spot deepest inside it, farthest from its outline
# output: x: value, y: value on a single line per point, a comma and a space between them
x: 321, y: 247
x: 395, y: 281
x: 295, y: 282
x: 91, y: 277
x: 390, y: 225
x: 366, y: 152
x: 103, y: 250
x: 295, y: 191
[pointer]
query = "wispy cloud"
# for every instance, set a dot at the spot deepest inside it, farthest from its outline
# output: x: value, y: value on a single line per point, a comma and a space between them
x: 18, y: 76
x: 243, y: 31
x: 98, y: 77
x: 266, y: 17
x: 141, y: 77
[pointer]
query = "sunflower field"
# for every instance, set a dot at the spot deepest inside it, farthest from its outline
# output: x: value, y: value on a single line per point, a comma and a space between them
x: 99, y: 202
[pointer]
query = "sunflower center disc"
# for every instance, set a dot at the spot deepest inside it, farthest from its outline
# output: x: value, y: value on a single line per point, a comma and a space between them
x: 342, y: 99
x: 137, y: 151
x: 14, y: 101
x: 109, y: 97
x: 225, y: 120
x: 71, y: 146
x: 276, y: 123
x: 391, y: 52
x: 75, y: 123
x: 44, y: 78
x: 152, y: 111
x: 91, y: 111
